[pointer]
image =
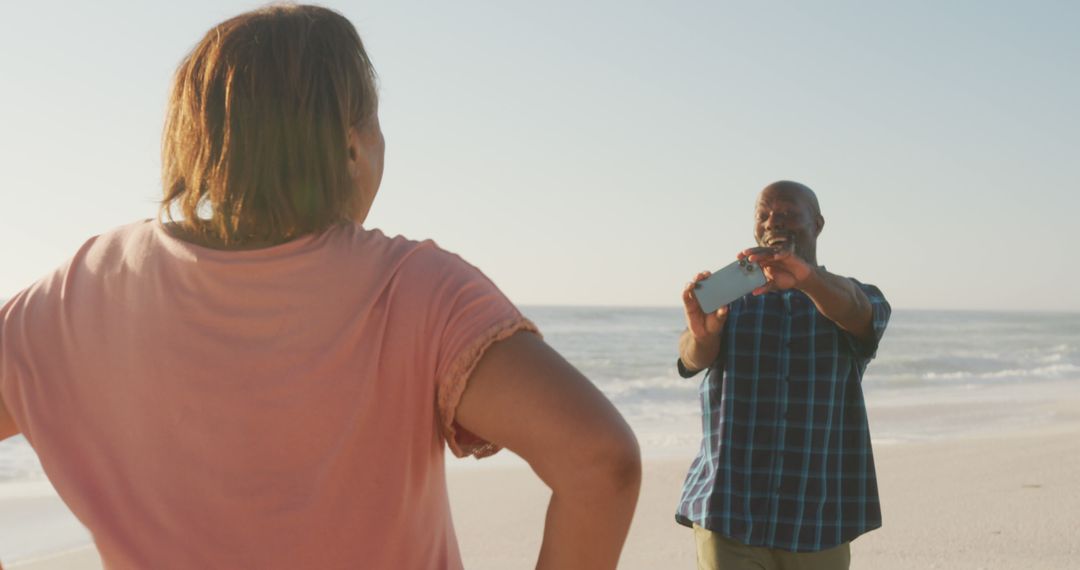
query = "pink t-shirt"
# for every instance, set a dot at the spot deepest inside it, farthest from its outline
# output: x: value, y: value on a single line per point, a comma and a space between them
x: 277, y: 408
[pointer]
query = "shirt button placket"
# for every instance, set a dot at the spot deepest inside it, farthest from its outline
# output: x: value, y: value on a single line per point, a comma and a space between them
x: 782, y: 404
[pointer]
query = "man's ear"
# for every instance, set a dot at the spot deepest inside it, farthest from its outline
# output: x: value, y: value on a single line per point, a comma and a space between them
x: 819, y: 223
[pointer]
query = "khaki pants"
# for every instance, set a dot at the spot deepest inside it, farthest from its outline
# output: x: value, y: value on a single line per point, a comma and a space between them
x: 717, y: 552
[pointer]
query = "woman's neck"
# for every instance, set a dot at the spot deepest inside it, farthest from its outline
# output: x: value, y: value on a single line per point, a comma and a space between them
x: 180, y: 232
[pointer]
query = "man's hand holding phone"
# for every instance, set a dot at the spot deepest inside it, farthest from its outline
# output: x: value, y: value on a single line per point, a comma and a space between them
x: 705, y: 302
x: 702, y: 325
x: 700, y: 343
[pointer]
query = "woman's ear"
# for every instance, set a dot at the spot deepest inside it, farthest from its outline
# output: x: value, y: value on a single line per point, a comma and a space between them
x: 353, y: 151
x: 365, y: 152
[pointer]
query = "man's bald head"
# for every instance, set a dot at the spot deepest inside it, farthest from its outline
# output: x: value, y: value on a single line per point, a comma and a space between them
x: 793, y: 190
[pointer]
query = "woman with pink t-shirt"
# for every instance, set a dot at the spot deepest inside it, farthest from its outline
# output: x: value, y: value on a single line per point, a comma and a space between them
x: 255, y: 380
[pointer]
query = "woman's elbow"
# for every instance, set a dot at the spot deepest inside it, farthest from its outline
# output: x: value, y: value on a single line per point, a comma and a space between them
x: 612, y: 461
x: 625, y: 462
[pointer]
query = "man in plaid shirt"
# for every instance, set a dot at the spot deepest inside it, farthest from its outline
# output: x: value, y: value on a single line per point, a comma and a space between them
x: 785, y: 476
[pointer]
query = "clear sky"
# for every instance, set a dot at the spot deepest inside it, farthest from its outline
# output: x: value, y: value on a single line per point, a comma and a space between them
x: 603, y: 152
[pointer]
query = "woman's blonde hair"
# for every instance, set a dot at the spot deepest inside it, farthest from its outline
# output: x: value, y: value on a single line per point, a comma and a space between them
x: 256, y: 135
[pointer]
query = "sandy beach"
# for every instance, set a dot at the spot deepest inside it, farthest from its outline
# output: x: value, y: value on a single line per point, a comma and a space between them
x: 1003, y: 502
x: 997, y: 501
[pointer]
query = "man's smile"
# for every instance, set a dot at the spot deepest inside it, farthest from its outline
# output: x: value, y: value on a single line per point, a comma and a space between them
x: 778, y: 240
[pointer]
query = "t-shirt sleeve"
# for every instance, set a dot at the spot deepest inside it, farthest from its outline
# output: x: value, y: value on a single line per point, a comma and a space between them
x: 881, y: 311
x: 25, y: 320
x: 8, y: 350
x: 473, y: 314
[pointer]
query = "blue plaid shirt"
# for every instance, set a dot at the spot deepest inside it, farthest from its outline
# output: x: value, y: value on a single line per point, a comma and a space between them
x: 785, y: 458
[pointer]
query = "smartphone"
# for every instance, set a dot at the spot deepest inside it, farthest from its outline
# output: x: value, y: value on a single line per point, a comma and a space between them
x: 727, y: 284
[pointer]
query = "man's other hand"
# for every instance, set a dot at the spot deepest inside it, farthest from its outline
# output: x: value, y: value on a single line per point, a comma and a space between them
x: 782, y: 268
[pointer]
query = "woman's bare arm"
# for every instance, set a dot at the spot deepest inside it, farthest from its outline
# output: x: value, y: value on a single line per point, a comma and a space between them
x: 523, y: 395
x: 7, y: 424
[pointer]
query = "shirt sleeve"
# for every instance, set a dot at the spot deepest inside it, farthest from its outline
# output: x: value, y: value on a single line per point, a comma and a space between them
x: 683, y: 370
x: 881, y: 311
x: 473, y: 315
x: 687, y: 372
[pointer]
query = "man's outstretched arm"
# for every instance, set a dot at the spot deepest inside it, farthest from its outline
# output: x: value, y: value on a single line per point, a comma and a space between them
x: 838, y: 298
x: 842, y: 302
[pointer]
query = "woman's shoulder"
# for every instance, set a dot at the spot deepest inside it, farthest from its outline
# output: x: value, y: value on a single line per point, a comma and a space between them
x: 133, y: 232
x: 399, y: 249
x: 107, y: 248
x: 416, y: 266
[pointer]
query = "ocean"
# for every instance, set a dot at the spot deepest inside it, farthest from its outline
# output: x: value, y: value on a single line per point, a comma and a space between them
x: 937, y: 374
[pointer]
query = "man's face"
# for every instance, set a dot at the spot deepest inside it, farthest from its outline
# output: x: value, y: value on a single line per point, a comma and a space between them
x: 785, y: 218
